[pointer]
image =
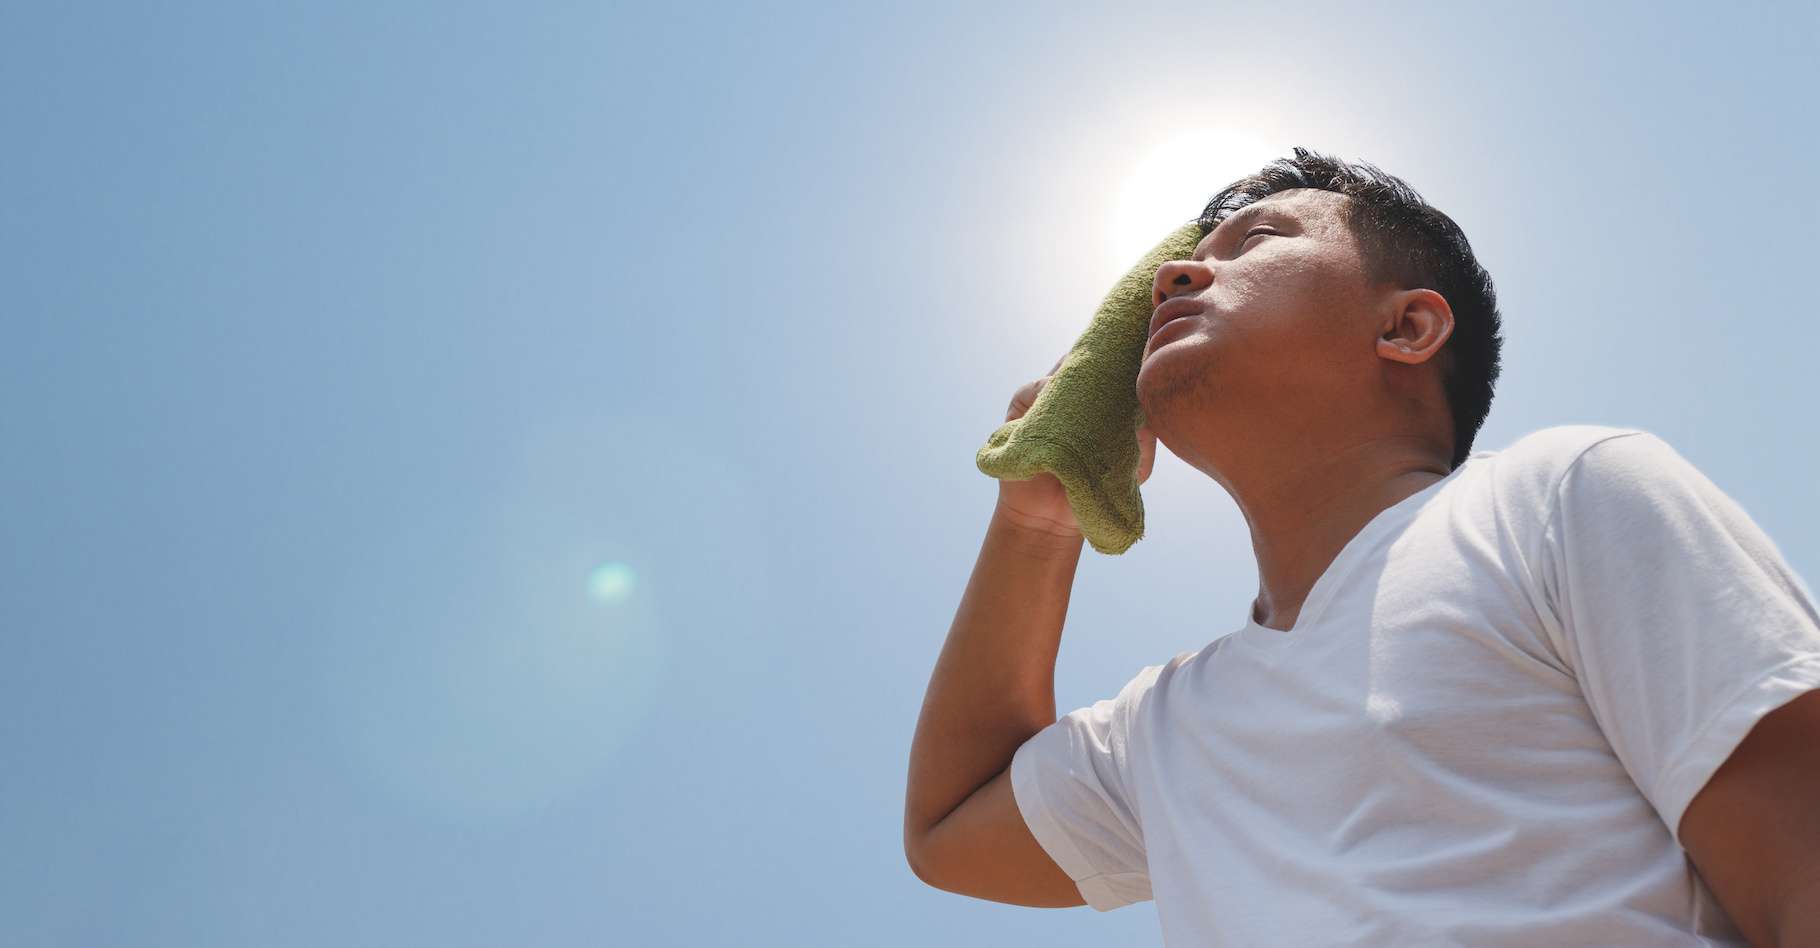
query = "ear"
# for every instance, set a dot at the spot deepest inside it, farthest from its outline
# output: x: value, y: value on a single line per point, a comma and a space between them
x: 1416, y: 325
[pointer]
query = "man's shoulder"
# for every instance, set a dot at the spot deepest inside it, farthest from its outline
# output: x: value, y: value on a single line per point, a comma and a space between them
x: 1563, y: 444
x: 1532, y: 467
x: 1554, y: 449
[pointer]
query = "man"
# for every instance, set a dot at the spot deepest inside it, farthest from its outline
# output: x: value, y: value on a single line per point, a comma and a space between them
x: 1559, y: 694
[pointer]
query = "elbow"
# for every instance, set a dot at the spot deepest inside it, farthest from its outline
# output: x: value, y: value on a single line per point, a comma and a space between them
x: 916, y: 856
x: 913, y: 853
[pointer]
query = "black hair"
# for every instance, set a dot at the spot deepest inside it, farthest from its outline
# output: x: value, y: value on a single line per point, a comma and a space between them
x: 1405, y: 242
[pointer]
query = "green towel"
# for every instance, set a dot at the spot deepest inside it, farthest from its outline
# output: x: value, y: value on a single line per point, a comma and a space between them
x: 1083, y: 425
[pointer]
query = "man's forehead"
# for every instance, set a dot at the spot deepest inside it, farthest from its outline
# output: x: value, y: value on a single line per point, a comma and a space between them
x: 1296, y: 202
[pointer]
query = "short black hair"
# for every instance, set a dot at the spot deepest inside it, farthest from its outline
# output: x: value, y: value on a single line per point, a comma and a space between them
x: 1405, y: 242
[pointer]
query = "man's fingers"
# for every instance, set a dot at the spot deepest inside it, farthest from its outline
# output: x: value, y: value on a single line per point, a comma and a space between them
x: 1023, y: 398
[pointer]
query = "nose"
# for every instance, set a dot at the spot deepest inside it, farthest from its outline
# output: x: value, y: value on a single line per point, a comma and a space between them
x: 1180, y: 277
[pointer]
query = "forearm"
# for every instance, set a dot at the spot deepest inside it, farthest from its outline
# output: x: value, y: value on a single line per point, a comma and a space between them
x: 994, y: 682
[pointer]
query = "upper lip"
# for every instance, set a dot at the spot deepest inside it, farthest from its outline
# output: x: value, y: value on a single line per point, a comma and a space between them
x: 1172, y: 309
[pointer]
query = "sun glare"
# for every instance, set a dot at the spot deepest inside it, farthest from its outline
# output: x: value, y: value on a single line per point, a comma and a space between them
x: 1174, y: 180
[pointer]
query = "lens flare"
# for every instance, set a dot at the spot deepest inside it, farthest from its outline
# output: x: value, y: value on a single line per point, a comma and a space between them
x: 497, y: 660
x: 611, y: 583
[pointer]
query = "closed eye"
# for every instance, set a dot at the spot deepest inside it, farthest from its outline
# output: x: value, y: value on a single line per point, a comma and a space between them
x: 1248, y: 235
x: 1254, y: 230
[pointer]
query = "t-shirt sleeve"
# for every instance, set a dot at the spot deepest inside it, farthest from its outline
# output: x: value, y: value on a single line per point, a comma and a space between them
x: 1677, y: 613
x: 1072, y: 782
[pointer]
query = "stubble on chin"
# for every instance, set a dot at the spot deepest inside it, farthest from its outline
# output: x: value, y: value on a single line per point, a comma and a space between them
x: 1168, y: 390
x: 1183, y: 395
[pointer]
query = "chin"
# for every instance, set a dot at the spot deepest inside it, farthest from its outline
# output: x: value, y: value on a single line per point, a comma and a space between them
x: 1163, y: 383
x: 1155, y: 398
x: 1158, y: 372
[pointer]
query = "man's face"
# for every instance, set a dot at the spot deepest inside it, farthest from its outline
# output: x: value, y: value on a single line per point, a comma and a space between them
x: 1286, y: 327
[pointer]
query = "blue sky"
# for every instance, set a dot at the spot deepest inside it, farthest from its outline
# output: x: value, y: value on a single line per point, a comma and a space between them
x: 502, y: 474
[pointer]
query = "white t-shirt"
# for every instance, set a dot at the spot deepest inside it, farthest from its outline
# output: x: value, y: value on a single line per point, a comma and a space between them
x: 1494, y: 708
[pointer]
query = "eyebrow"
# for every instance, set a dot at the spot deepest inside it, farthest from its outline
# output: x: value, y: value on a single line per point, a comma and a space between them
x: 1236, y: 219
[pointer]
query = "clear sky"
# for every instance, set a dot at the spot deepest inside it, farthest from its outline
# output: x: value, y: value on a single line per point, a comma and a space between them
x: 484, y: 475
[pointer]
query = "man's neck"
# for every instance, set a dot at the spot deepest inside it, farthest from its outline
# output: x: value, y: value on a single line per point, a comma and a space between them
x: 1300, y: 521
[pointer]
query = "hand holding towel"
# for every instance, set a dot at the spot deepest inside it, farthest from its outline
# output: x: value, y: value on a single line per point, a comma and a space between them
x: 1083, y: 425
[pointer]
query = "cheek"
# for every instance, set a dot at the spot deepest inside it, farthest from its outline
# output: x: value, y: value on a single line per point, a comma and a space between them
x: 1306, y: 297
x: 1282, y: 282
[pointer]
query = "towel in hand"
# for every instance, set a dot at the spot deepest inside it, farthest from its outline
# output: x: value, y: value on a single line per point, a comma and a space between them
x: 1083, y: 425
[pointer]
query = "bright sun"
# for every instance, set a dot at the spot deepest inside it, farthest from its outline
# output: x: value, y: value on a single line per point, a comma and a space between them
x: 1174, y: 181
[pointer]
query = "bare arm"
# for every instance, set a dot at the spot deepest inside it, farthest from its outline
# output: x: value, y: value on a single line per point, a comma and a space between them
x: 1753, y: 830
x: 992, y: 689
